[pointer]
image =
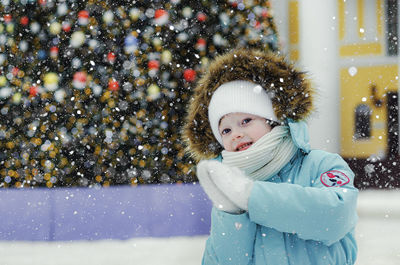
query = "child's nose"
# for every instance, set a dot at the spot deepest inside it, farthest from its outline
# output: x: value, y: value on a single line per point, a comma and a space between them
x: 237, y: 134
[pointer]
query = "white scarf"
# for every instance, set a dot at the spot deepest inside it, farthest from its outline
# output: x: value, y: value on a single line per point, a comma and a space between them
x: 266, y: 157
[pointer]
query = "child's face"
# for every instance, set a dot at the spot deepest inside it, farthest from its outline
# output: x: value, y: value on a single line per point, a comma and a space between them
x: 240, y: 130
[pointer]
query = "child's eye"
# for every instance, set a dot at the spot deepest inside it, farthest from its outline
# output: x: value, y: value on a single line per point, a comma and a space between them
x: 247, y: 120
x: 225, y: 131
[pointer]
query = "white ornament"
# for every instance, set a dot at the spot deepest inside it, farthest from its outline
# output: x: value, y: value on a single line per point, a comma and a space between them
x: 77, y: 39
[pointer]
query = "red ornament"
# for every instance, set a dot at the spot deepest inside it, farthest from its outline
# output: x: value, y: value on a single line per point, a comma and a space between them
x: 80, y: 76
x: 42, y: 2
x: 33, y: 91
x: 264, y: 13
x: 189, y: 75
x: 159, y: 13
x: 24, y: 20
x: 53, y: 52
x: 83, y: 17
x: 161, y: 16
x: 153, y: 65
x: 15, y: 71
x: 113, y: 85
x: 79, y: 80
x: 7, y: 18
x: 201, y: 44
x: 201, y: 17
x: 83, y: 14
x: 111, y: 57
x: 66, y: 26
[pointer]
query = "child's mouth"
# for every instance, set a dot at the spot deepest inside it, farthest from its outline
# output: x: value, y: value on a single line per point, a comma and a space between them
x: 243, y: 146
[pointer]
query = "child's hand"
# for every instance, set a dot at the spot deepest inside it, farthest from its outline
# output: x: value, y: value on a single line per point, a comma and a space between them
x: 219, y: 200
x: 233, y: 183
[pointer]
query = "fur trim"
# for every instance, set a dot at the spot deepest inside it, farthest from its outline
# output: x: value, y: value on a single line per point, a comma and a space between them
x: 291, y: 90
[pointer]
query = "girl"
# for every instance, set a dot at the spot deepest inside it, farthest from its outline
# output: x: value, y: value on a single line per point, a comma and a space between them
x: 275, y: 200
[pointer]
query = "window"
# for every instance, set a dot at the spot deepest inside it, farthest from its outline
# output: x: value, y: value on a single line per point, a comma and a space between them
x: 363, y: 122
x: 392, y: 25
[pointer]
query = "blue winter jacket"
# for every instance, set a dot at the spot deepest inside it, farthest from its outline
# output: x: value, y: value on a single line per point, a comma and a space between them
x: 306, y: 214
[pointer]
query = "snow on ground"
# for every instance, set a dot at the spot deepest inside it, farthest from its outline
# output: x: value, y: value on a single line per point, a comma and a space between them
x: 378, y: 229
x: 378, y: 234
x: 138, y: 251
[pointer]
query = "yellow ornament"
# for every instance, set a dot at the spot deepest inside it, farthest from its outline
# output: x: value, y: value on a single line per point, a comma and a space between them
x: 16, y: 98
x: 3, y: 81
x: 51, y: 81
x: 153, y: 92
x: 77, y: 39
x: 204, y: 62
x: 166, y: 57
x: 10, y: 28
x: 134, y: 14
x: 157, y: 42
x: 10, y: 42
x: 55, y: 28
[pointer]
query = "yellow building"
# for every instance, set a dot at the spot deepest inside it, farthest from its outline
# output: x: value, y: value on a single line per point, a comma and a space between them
x: 369, y: 105
x: 350, y: 48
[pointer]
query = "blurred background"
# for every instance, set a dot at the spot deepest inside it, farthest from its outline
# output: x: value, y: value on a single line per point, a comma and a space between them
x: 92, y: 96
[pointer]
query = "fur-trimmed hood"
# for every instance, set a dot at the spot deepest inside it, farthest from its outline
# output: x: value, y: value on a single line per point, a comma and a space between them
x: 291, y: 90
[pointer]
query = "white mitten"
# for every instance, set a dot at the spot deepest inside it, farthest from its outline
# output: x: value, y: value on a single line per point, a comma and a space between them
x: 232, y: 182
x: 216, y: 196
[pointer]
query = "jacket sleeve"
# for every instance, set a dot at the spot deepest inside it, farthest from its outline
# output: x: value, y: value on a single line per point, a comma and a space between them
x: 317, y: 212
x: 231, y: 239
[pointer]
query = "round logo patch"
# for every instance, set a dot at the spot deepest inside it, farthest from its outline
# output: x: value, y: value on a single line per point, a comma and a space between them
x: 334, y: 178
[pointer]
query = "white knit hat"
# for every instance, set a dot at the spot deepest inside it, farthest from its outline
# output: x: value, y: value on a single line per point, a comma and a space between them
x: 239, y: 96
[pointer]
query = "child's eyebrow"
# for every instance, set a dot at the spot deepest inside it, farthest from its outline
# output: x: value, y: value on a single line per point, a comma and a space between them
x: 220, y: 120
x: 222, y: 126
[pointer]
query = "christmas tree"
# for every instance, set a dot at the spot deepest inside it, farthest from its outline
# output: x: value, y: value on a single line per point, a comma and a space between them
x: 92, y: 93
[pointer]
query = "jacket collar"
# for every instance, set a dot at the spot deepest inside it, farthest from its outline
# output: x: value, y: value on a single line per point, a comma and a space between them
x: 299, y: 133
